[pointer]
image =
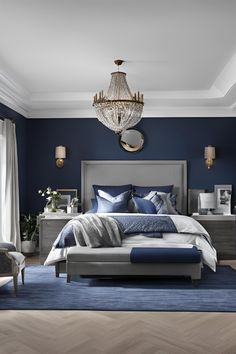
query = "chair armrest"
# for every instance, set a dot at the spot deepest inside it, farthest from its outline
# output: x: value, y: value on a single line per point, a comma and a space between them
x: 8, y: 246
x: 3, y: 250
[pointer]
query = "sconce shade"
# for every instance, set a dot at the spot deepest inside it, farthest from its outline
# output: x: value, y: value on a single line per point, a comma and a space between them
x: 209, y: 155
x: 210, y: 152
x: 60, y: 152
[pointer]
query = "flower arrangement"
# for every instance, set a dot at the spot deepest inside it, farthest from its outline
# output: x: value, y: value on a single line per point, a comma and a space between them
x: 52, y: 197
x: 74, y: 202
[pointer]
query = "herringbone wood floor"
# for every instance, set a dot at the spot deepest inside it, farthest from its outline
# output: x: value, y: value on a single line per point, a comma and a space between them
x: 84, y: 332
x: 93, y: 332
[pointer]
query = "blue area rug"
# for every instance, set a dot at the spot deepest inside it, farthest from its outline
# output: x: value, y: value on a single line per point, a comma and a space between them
x: 42, y: 290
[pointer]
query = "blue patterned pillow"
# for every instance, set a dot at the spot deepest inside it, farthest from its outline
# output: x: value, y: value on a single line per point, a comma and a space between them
x: 144, y: 206
x: 163, y: 202
x: 105, y: 206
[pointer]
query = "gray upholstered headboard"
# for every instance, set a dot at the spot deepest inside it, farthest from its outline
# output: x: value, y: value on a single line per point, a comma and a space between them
x: 137, y: 172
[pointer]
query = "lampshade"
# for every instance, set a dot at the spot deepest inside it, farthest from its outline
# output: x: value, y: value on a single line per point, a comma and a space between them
x: 60, y: 152
x: 207, y: 201
x: 209, y: 152
x: 118, y: 110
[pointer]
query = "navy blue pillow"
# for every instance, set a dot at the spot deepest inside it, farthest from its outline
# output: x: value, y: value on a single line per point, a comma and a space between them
x: 105, y: 206
x: 112, y: 190
x: 144, y: 206
x: 67, y: 238
x: 94, y: 203
x: 142, y: 191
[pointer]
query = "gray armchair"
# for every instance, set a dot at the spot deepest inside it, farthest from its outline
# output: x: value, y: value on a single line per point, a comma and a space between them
x: 11, y: 263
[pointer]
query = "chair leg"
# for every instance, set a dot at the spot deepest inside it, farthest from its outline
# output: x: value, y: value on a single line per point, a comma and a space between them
x: 68, y: 278
x: 15, y: 281
x: 23, y: 276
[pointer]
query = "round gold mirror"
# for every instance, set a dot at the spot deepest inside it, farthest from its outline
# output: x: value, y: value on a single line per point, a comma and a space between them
x: 131, y: 140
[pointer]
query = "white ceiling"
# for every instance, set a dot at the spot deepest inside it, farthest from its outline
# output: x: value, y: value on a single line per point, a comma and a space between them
x: 55, y: 54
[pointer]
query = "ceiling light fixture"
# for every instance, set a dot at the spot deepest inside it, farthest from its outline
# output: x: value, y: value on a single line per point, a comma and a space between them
x: 118, y: 110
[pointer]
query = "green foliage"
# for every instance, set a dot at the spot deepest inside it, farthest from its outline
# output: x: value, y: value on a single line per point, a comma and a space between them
x: 29, y: 228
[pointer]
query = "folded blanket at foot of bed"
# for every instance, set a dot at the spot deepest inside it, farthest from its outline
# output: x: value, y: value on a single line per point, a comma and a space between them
x: 165, y: 255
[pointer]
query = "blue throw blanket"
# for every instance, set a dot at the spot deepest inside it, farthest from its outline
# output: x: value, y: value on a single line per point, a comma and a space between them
x: 149, y: 225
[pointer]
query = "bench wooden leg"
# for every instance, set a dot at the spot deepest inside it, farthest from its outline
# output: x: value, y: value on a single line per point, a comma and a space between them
x: 23, y: 276
x: 195, y: 283
x: 68, y: 278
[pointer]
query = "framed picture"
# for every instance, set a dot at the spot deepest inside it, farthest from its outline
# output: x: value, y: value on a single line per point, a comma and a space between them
x: 223, y: 194
x: 193, y: 200
x: 66, y: 196
x: 64, y: 201
x: 72, y: 192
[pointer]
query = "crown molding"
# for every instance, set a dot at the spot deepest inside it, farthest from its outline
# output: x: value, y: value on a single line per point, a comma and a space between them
x: 13, y: 95
x: 218, y: 101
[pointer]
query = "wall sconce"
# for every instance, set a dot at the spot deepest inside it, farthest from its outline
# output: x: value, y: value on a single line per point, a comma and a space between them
x: 60, y: 155
x: 209, y: 156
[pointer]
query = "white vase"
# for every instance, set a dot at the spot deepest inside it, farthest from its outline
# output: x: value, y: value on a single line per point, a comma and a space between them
x: 72, y: 210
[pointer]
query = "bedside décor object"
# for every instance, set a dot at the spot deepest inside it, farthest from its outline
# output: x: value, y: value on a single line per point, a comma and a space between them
x: 209, y: 155
x: 67, y: 195
x: 52, y: 198
x: 64, y: 201
x: 131, y: 140
x: 206, y: 203
x: 118, y: 109
x: 73, y: 206
x: 193, y: 200
x: 223, y: 198
x: 60, y: 155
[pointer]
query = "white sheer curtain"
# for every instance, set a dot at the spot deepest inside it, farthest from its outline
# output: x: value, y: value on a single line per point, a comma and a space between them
x: 9, y: 185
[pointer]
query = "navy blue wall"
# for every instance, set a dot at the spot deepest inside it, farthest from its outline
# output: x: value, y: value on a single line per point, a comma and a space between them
x: 20, y: 121
x: 165, y: 138
x: 87, y: 139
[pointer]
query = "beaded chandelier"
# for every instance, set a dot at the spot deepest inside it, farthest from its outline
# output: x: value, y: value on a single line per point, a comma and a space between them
x: 118, y: 110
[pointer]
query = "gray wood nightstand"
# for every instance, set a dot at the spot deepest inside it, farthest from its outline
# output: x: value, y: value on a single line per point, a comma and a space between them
x: 222, y: 229
x: 50, y: 224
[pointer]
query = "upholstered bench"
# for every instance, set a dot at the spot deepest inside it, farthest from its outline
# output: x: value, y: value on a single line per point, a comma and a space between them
x: 11, y: 263
x: 121, y: 261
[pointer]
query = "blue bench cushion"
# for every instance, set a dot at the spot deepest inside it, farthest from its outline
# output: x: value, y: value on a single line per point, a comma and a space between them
x: 165, y: 255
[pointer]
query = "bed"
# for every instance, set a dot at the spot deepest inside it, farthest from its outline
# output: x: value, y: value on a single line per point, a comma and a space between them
x: 111, y: 243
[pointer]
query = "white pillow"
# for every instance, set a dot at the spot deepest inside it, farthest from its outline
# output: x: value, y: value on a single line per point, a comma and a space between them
x: 116, y: 199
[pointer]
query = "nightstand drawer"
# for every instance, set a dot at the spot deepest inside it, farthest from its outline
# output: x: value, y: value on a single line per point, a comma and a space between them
x: 223, y: 234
